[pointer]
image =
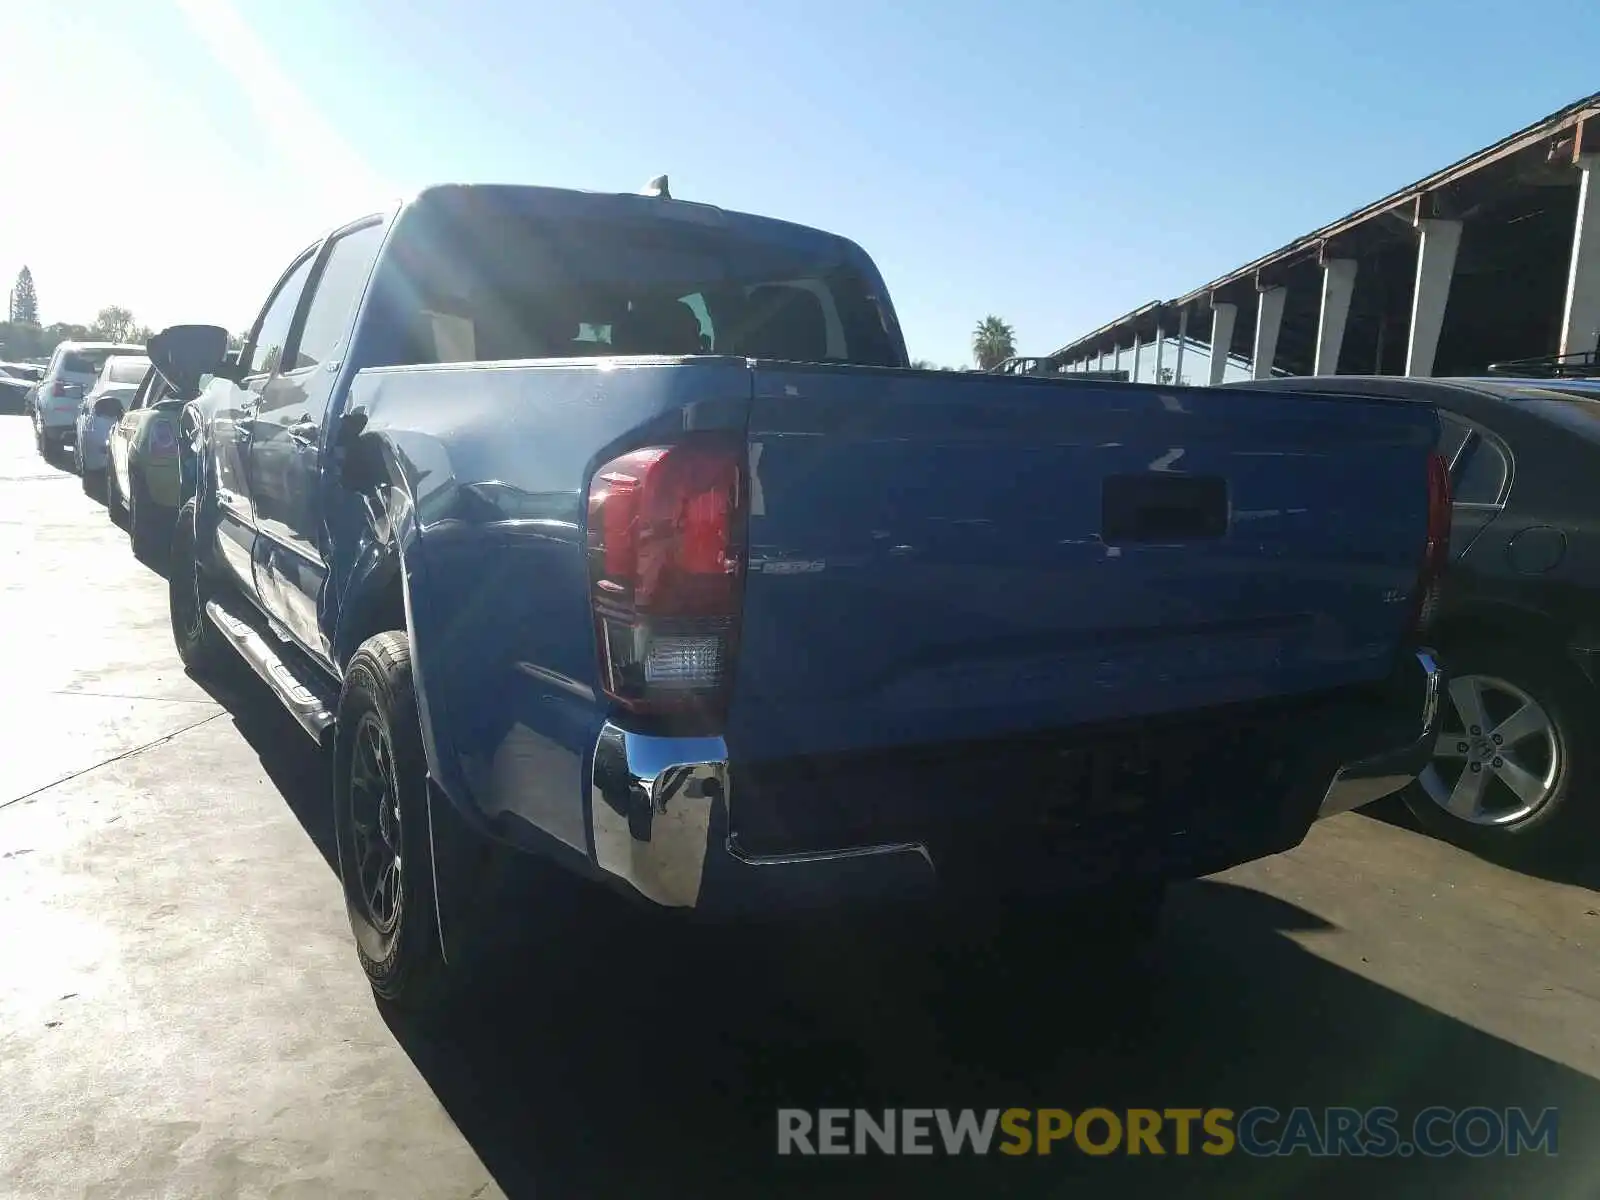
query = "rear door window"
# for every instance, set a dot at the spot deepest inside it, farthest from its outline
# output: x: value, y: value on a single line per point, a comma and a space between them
x: 337, y: 292
x: 1480, y: 475
x: 1453, y: 435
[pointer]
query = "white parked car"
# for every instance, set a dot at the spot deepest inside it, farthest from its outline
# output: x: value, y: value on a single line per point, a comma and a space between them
x: 73, y: 369
x: 101, y: 409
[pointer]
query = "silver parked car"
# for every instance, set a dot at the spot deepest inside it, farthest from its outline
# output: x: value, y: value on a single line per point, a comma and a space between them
x: 73, y: 369
x: 101, y: 409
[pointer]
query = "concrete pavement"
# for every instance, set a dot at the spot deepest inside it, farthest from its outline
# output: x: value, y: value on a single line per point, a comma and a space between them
x: 181, y: 1013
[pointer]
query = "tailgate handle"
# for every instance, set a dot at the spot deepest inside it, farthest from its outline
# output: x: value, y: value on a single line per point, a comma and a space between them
x: 1163, y: 508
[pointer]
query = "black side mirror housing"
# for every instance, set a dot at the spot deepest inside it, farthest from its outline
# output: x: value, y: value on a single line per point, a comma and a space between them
x: 108, y: 407
x: 183, y: 353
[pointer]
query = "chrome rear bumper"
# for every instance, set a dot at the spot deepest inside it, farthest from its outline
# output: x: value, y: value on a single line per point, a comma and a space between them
x: 1373, y: 778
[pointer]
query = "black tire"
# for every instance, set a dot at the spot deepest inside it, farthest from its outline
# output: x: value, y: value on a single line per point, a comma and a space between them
x: 114, y: 509
x: 41, y: 439
x: 379, y: 733
x: 204, y: 651
x: 150, y: 526
x: 1567, y: 818
x: 94, y: 484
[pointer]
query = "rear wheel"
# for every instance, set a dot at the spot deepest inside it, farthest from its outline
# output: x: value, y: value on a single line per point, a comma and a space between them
x: 114, y: 508
x: 94, y: 483
x: 200, y: 643
x: 1515, y: 765
x: 150, y: 526
x: 382, y: 829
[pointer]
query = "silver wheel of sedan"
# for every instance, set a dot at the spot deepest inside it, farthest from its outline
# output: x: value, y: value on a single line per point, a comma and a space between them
x: 1498, y: 759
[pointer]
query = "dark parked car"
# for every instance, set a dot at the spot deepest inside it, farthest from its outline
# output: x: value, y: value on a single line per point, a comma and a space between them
x: 17, y: 380
x: 1517, y: 765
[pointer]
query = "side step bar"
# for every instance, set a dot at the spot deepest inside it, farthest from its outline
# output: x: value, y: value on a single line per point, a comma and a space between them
x: 301, y: 688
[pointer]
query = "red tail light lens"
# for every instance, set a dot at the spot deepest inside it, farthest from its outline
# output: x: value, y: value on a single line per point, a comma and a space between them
x: 63, y: 391
x: 1436, y: 551
x: 666, y: 572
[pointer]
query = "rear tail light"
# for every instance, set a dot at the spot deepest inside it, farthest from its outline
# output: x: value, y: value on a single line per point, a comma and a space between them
x: 163, y: 441
x: 1436, y: 550
x: 666, y: 573
x: 63, y: 391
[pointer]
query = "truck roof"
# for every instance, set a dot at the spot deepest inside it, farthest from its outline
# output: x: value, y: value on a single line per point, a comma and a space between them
x: 574, y: 202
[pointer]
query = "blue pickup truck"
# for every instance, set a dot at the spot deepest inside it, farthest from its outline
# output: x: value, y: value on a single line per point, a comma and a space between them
x: 614, y: 533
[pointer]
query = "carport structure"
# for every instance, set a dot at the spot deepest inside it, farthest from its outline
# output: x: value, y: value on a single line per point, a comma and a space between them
x: 1496, y: 257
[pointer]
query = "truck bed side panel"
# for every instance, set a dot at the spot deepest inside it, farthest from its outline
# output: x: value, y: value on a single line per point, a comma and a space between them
x: 497, y: 460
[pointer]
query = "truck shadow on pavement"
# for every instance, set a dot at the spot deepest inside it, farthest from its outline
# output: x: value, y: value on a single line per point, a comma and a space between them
x: 1579, y: 867
x: 607, y: 1055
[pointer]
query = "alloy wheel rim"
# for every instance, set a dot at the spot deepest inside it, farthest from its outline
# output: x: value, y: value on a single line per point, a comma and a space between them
x: 1498, y: 758
x: 375, y: 824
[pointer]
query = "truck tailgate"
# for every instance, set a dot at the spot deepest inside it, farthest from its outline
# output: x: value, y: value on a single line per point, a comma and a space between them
x: 937, y: 556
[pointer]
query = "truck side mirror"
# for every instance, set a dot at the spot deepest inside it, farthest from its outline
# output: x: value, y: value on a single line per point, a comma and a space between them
x: 359, y: 467
x: 183, y: 353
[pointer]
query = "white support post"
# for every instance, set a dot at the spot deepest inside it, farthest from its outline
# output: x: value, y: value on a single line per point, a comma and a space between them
x: 1580, y: 317
x: 1436, y: 266
x: 1223, y: 318
x: 1161, y: 351
x: 1101, y: 364
x: 1338, y: 286
x: 1269, y: 319
x: 1133, y: 373
x: 1183, y: 336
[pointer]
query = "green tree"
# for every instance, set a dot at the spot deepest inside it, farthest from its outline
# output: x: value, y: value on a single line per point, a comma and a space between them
x: 65, y: 331
x: 993, y: 341
x: 24, y: 300
x: 113, y: 323
x: 20, y: 341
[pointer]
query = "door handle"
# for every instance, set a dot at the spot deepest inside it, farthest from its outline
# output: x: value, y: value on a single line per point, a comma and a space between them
x: 304, y: 432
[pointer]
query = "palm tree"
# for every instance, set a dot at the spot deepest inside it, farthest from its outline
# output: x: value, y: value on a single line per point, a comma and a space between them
x: 993, y: 341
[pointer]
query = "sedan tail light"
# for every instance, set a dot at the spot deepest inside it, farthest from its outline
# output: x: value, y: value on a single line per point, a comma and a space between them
x: 163, y: 441
x: 1436, y: 549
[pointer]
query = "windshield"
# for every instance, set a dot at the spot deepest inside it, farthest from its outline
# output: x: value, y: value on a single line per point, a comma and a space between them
x: 625, y: 287
x: 125, y: 370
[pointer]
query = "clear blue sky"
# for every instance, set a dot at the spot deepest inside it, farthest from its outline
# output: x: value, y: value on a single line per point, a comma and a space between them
x: 1056, y: 163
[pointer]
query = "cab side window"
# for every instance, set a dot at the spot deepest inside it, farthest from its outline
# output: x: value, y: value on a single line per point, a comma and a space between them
x: 277, y: 322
